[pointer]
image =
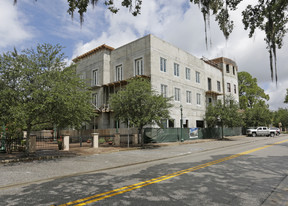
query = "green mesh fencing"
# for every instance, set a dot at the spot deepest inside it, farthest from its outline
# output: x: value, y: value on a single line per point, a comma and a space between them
x: 157, y: 135
x: 235, y: 131
x: 154, y: 135
x: 209, y: 133
x: 216, y: 133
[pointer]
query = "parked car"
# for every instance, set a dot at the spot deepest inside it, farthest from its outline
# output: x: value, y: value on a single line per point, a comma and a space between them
x: 276, y: 129
x: 261, y: 131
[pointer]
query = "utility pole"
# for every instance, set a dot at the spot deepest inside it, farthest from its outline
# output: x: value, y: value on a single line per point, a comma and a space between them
x: 181, y: 122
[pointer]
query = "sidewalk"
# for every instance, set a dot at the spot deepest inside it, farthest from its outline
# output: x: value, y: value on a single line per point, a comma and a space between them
x: 86, y: 150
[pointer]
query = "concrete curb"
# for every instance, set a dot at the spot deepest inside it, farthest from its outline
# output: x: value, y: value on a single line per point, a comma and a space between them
x: 153, y: 145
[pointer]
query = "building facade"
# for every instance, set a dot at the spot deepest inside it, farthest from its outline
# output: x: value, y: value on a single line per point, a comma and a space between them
x: 192, y: 82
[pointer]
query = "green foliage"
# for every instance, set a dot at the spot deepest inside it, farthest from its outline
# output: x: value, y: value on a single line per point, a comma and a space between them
x: 227, y: 114
x: 271, y: 17
x: 220, y: 9
x: 69, y: 99
x: 281, y: 116
x: 252, y: 100
x: 286, y: 97
x: 81, y: 6
x: 139, y: 104
x: 259, y: 115
x: 36, y: 88
x: 249, y: 91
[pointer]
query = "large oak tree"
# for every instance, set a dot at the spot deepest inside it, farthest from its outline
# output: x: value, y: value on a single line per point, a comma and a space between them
x: 249, y: 91
x: 36, y: 87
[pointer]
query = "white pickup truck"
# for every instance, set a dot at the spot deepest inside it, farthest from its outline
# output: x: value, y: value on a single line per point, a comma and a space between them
x: 261, y: 131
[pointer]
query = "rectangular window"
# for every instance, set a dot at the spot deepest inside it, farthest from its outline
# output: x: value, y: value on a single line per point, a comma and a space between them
x: 188, y: 73
x: 171, y: 123
x: 198, y: 99
x: 197, y: 74
x: 176, y: 69
x: 164, y: 123
x: 162, y: 64
x: 209, y: 84
x: 139, y: 70
x: 235, y: 89
x: 227, y: 68
x: 81, y: 76
x: 119, y: 73
x: 95, y: 77
x: 209, y: 100
x: 177, y: 95
x: 164, y: 90
x: 218, y: 86
x: 228, y: 87
x: 188, y: 97
x: 233, y: 70
x: 95, y: 99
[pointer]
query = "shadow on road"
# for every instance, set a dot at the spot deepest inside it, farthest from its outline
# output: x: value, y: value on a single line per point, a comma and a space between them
x: 245, y: 180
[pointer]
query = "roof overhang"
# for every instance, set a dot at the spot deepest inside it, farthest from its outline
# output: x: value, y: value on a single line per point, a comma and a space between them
x: 99, y: 48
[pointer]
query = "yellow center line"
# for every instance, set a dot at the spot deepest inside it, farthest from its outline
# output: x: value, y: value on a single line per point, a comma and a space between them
x: 122, y: 190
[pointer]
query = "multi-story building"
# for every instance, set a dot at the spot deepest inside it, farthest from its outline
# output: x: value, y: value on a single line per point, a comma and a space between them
x: 192, y: 82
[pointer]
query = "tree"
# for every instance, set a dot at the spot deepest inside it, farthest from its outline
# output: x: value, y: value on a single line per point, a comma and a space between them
x: 139, y: 104
x: 249, y: 91
x: 252, y: 100
x: 270, y: 16
x: 259, y: 115
x: 281, y: 116
x: 286, y: 97
x: 227, y: 114
x: 37, y: 88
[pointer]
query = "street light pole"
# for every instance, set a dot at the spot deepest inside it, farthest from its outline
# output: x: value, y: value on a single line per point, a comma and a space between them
x: 221, y: 128
x: 94, y: 121
x: 181, y: 122
x: 219, y: 118
x: 3, y: 139
x: 117, y: 126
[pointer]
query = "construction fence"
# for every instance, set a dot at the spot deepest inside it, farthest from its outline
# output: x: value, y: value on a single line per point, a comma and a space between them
x: 82, y: 138
x: 157, y: 135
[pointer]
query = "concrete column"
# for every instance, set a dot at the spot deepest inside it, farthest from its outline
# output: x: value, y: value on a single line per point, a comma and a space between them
x: 95, y: 140
x: 117, y: 139
x: 135, y: 139
x: 32, y: 143
x: 24, y: 134
x: 66, y: 143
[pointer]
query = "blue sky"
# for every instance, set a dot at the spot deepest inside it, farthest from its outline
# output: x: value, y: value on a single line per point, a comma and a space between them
x: 176, y: 21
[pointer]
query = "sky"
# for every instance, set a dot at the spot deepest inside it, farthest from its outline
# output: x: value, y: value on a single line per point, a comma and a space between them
x: 178, y: 22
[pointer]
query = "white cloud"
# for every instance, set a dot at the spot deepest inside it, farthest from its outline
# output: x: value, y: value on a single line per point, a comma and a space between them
x: 13, y: 27
x: 178, y: 22
x: 184, y: 28
x: 277, y: 95
x: 159, y: 18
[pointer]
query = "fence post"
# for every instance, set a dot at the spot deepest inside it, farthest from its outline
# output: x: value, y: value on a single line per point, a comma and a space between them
x: 32, y: 143
x: 117, y: 139
x: 66, y: 143
x: 95, y: 140
x: 135, y: 139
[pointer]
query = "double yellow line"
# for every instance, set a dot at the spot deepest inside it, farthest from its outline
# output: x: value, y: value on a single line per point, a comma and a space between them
x: 121, y: 190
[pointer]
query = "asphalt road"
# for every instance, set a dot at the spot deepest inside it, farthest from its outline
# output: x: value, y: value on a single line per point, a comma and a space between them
x: 247, y: 171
